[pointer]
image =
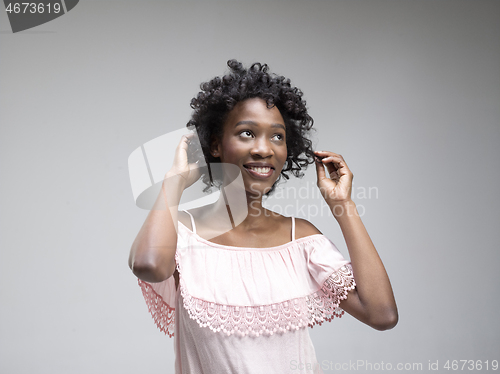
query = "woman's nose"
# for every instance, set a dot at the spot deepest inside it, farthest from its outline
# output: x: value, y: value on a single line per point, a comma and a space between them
x: 262, y: 147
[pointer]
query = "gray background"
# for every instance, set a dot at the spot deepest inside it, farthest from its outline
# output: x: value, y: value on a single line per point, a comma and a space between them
x: 407, y: 91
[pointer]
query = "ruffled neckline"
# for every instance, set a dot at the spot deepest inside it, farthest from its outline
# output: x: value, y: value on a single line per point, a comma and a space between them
x: 253, y: 291
x: 234, y: 248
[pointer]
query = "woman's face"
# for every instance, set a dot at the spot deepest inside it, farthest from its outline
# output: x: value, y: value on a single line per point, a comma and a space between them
x: 254, y: 139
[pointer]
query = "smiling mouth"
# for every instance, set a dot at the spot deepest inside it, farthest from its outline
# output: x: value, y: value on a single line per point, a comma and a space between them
x: 264, y: 171
x: 260, y: 170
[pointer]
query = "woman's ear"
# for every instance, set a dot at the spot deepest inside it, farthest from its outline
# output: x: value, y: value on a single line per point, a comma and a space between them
x: 214, y: 147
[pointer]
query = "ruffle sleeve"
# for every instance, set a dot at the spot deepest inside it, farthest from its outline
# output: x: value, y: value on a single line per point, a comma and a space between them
x: 253, y: 291
x: 333, y: 274
x: 161, y: 297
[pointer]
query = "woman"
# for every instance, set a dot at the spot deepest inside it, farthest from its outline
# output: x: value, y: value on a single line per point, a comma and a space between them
x: 225, y: 277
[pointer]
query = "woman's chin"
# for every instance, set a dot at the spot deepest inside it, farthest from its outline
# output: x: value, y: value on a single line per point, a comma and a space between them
x: 256, y: 190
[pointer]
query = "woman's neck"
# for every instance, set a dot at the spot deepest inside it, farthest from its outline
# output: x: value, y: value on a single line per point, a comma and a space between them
x: 245, y: 210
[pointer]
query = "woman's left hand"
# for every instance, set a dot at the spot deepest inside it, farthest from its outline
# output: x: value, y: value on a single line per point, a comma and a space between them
x: 336, y: 189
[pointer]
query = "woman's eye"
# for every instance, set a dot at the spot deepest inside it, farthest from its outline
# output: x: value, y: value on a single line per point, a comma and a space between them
x: 248, y: 134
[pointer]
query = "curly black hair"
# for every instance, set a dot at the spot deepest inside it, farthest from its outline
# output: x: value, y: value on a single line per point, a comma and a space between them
x: 220, y: 95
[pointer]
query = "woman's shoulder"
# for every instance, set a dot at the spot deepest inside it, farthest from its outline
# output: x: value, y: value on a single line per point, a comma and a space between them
x: 184, y: 218
x: 305, y: 228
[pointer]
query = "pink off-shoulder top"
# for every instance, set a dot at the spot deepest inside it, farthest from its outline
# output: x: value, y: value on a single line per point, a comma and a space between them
x: 246, y: 310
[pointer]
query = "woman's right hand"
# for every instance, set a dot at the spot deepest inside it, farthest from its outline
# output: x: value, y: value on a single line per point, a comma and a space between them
x: 190, y: 173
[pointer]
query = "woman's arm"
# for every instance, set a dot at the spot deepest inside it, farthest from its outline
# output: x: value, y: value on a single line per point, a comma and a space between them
x: 372, y: 302
x: 152, y: 256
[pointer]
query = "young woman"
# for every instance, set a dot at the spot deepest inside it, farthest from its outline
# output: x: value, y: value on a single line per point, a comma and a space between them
x: 238, y: 284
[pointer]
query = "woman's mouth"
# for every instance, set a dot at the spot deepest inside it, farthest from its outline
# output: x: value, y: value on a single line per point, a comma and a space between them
x: 259, y: 172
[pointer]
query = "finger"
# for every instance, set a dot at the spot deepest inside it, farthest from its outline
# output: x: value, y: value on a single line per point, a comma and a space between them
x: 182, y: 141
x: 185, y: 140
x: 320, y: 169
x: 190, y: 137
x: 333, y: 165
x: 322, y: 154
x: 339, y: 163
x: 331, y: 155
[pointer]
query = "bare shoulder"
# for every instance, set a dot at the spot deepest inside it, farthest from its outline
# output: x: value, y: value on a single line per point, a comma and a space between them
x: 184, y: 218
x: 197, y: 213
x: 304, y: 228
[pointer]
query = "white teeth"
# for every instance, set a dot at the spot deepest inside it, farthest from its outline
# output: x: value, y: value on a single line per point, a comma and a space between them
x: 263, y: 170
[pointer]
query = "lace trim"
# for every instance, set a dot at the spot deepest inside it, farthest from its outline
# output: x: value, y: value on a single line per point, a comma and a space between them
x: 162, y: 313
x: 323, y: 305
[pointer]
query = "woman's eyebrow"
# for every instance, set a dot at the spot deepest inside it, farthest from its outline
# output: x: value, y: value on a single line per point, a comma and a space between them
x: 252, y: 123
